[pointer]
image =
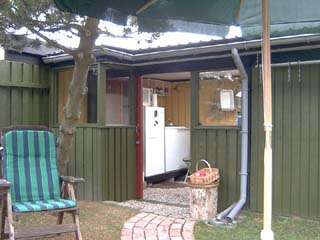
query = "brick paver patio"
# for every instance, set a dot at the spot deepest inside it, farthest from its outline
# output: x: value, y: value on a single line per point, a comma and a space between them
x: 149, y: 226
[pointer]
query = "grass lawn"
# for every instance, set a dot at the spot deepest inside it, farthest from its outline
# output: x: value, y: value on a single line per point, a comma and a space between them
x: 98, y: 221
x: 105, y: 221
x: 249, y: 227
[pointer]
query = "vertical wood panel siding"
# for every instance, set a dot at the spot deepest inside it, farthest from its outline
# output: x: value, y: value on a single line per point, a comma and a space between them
x: 105, y: 157
x: 295, y: 141
x: 24, y: 94
x: 221, y: 148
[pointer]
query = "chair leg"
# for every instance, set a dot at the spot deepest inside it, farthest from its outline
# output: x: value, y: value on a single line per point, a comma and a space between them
x: 3, y: 223
x: 9, y: 217
x: 186, y: 177
x: 3, y: 216
x: 76, y: 221
x: 60, y: 218
x: 75, y: 215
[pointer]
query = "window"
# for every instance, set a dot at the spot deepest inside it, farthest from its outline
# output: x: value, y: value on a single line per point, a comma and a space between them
x: 89, y: 104
x: 118, y: 109
x: 219, y: 98
x: 92, y: 97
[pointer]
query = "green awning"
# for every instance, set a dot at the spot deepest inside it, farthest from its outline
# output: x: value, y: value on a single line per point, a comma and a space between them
x: 203, y: 16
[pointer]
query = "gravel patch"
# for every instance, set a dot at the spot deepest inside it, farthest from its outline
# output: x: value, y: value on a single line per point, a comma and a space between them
x: 159, y: 209
x: 175, y: 196
x: 163, y: 199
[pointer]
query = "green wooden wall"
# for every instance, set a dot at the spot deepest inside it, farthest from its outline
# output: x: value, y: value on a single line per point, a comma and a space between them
x: 221, y: 148
x: 24, y: 94
x: 105, y: 157
x: 295, y: 141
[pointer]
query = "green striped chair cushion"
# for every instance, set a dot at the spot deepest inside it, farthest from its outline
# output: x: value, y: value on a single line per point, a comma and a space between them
x: 30, y: 164
x: 44, y: 205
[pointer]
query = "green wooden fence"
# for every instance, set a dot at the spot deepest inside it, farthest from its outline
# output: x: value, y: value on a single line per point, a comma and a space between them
x: 105, y: 157
x: 24, y: 94
x: 295, y: 141
x: 221, y: 148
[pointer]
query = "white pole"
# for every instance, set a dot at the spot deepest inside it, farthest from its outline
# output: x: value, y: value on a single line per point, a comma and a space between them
x: 267, y: 233
x: 2, y: 53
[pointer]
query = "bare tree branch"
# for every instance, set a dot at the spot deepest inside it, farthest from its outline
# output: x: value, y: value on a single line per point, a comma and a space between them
x: 53, y: 42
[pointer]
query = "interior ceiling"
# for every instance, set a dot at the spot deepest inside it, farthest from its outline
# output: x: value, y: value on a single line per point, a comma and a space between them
x: 170, y: 76
x: 176, y: 76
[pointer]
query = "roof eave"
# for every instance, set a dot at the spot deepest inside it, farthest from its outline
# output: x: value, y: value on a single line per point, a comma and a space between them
x: 132, y: 58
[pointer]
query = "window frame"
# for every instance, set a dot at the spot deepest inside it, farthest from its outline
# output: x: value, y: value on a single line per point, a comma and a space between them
x: 195, y: 107
x: 55, y: 96
x: 131, y: 94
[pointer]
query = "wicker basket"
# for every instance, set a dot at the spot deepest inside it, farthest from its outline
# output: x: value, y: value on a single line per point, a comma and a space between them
x: 204, y: 176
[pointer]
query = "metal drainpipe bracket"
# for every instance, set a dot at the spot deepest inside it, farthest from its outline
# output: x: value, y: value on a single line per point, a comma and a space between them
x: 268, y: 127
x: 222, y: 223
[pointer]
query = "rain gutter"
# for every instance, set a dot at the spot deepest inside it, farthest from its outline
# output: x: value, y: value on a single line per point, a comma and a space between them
x: 223, y: 47
x: 218, y: 56
x: 299, y: 63
x: 98, y: 53
x: 227, y: 55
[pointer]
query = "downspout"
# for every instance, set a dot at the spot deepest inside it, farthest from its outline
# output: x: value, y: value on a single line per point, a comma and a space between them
x: 231, y: 212
x: 244, y: 137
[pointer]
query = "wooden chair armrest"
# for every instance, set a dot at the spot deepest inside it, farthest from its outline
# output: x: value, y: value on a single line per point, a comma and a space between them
x: 72, y: 180
x: 69, y: 185
x: 4, y: 185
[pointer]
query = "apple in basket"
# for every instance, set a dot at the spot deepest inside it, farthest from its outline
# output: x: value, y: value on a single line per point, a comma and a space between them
x: 201, y: 174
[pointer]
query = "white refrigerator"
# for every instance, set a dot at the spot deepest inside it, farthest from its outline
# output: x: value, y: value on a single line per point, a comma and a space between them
x: 177, y: 147
x: 154, y: 123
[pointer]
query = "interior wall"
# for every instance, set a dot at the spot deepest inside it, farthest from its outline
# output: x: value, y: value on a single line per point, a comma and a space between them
x: 118, y: 107
x: 210, y: 113
x: 176, y: 102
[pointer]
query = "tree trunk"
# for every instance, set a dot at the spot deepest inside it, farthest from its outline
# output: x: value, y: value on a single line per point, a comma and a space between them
x: 77, y: 91
x: 203, y: 201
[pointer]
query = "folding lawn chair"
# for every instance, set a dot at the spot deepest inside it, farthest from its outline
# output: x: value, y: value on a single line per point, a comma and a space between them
x: 31, y: 184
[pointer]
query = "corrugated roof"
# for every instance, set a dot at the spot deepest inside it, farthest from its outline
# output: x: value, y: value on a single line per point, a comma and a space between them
x: 182, y: 51
x: 43, y: 50
x: 177, y: 46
